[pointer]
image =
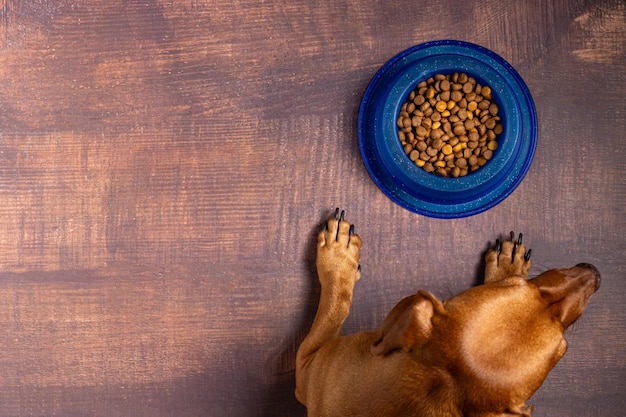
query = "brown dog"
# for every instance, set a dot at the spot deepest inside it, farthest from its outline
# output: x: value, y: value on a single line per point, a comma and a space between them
x: 481, y: 353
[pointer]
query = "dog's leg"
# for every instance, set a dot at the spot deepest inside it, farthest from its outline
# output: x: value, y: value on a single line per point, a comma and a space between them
x: 508, y: 258
x: 338, y: 249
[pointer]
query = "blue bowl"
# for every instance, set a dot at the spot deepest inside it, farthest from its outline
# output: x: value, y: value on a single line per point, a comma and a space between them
x: 425, y: 193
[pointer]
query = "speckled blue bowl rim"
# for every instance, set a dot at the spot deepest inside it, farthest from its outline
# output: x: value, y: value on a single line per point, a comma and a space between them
x: 410, y: 186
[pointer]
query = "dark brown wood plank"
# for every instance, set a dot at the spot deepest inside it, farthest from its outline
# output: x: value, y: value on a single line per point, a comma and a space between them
x: 164, y: 167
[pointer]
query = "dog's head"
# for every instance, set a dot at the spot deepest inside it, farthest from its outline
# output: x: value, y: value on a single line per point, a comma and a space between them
x: 498, y: 341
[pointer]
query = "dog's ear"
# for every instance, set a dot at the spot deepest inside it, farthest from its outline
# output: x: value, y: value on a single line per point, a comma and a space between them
x: 566, y: 291
x: 408, y: 324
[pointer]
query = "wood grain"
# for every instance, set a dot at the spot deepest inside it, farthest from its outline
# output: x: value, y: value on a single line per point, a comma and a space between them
x: 164, y: 167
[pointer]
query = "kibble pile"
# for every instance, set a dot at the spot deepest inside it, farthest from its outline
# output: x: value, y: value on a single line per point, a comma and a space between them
x: 449, y: 125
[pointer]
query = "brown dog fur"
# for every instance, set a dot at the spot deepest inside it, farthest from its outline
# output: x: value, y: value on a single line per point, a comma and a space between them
x: 482, y: 353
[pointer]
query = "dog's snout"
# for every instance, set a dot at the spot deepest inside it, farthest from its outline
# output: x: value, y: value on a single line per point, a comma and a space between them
x: 593, y: 270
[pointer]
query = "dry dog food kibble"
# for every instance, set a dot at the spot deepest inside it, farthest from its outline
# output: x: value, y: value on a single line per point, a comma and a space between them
x: 449, y: 125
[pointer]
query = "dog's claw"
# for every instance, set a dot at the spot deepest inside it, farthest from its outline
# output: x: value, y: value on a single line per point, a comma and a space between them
x: 339, y: 216
x: 350, y: 233
x: 515, y: 244
x: 498, y: 247
x: 527, y: 255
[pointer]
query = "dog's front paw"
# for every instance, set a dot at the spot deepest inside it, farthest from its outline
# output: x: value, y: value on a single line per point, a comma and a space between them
x: 338, y: 251
x: 506, y: 259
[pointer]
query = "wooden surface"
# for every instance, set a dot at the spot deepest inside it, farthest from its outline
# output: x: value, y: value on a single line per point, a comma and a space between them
x: 164, y: 166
